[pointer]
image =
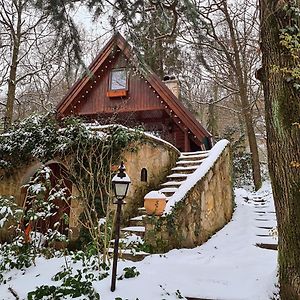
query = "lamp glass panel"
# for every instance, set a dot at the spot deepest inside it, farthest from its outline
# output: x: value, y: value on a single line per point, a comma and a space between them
x: 121, y: 189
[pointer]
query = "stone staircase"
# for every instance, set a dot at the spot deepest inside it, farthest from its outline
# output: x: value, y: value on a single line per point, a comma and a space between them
x: 187, y: 164
x: 266, y: 223
x: 265, y: 220
x: 131, y: 242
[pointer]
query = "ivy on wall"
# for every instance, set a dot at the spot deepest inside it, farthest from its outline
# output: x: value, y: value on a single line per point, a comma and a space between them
x: 44, y: 138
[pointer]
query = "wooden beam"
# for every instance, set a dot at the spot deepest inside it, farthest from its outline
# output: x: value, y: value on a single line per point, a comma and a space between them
x: 187, y: 144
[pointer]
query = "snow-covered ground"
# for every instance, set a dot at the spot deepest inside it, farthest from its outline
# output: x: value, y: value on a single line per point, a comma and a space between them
x: 229, y: 266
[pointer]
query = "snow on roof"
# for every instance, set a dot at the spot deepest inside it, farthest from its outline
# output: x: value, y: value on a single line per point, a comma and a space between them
x: 193, y: 178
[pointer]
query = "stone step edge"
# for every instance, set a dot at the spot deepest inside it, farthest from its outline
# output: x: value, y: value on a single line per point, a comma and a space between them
x: 170, y: 183
x: 129, y: 251
x: 267, y: 246
x: 195, y: 152
x: 138, y: 218
x: 134, y: 229
x: 189, y: 162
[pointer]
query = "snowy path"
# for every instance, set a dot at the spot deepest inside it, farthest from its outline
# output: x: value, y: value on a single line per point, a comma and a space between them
x: 228, y: 267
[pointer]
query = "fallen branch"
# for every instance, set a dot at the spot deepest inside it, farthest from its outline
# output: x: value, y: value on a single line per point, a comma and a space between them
x: 14, y: 292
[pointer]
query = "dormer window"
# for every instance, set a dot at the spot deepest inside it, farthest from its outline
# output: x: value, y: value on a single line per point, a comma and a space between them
x: 118, y: 83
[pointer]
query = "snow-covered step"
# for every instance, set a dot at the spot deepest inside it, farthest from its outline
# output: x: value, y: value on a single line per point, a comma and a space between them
x: 172, y: 183
x: 260, y: 205
x: 260, y: 231
x: 189, y: 162
x: 178, y: 176
x: 265, y: 227
x: 138, y: 218
x: 130, y: 254
x: 195, y: 153
x: 266, y: 240
x: 137, y: 221
x: 265, y: 218
x: 269, y: 246
x: 168, y: 191
x: 193, y: 157
x: 141, y: 211
x: 268, y: 223
x: 185, y: 169
x: 138, y: 230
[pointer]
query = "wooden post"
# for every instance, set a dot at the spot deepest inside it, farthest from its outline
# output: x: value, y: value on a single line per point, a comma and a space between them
x: 187, y: 144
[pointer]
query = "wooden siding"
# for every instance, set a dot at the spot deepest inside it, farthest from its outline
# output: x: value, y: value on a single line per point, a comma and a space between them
x: 94, y: 100
x: 148, y: 101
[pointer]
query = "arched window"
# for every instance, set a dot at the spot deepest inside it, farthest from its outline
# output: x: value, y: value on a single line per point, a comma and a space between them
x: 144, y: 175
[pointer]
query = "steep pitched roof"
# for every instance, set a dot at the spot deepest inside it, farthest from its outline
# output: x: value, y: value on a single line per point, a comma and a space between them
x: 162, y: 90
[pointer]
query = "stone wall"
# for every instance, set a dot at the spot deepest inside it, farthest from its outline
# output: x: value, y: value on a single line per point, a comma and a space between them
x: 154, y: 155
x: 206, y: 208
x: 157, y: 157
x: 10, y: 185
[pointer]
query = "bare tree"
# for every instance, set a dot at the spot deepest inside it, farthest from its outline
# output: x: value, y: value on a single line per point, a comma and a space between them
x: 30, y: 60
x: 230, y: 49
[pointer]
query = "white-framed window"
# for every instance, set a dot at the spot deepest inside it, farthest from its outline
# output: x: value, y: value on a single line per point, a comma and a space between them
x: 118, y: 80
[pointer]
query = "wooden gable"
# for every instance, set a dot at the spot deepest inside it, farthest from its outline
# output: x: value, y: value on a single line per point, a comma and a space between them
x: 146, y: 99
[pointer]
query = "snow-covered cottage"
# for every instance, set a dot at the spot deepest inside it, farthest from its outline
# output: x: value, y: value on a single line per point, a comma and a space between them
x: 120, y: 88
x: 182, y: 163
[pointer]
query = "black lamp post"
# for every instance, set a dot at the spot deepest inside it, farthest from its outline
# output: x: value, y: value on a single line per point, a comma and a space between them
x: 120, y: 184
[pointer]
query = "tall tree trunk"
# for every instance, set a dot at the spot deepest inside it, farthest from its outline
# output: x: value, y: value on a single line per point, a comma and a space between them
x: 212, y: 124
x: 247, y: 113
x: 11, y: 92
x: 246, y: 109
x: 282, y: 105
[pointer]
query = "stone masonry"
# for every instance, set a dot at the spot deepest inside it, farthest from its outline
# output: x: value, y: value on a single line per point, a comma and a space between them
x: 206, y: 208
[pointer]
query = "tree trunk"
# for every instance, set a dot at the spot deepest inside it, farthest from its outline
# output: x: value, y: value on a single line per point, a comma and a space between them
x: 11, y: 92
x: 247, y: 113
x: 212, y: 124
x: 246, y: 109
x: 282, y: 105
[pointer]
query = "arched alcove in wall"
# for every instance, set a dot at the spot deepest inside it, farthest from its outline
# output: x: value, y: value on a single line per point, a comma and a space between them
x: 144, y: 175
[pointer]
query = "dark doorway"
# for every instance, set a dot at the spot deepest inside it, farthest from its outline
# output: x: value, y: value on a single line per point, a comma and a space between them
x: 56, y: 190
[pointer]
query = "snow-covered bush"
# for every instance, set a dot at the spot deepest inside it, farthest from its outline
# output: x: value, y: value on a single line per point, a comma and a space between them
x: 34, y: 137
x: 241, y: 159
x: 42, y: 205
x: 88, y: 154
x: 16, y: 255
x: 72, y: 281
x: 10, y: 216
x: 44, y: 137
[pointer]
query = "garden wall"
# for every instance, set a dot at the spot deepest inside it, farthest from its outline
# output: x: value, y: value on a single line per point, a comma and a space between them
x: 153, y: 155
x: 205, y: 208
x: 156, y: 157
